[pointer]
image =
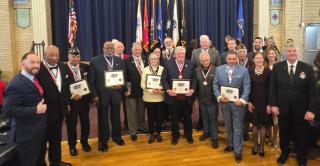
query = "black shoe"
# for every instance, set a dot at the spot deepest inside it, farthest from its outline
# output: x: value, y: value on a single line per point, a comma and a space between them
x: 255, y: 150
x: 228, y: 149
x: 134, y: 137
x: 214, y: 144
x: 302, y: 162
x: 174, y: 141
x: 119, y: 141
x: 204, y: 136
x: 151, y: 138
x: 62, y: 163
x: 261, y: 151
x: 143, y: 130
x: 246, y: 137
x: 86, y: 147
x: 199, y: 127
x: 282, y: 158
x: 103, y: 147
x: 159, y: 138
x: 73, y: 151
x: 238, y: 158
x: 190, y: 140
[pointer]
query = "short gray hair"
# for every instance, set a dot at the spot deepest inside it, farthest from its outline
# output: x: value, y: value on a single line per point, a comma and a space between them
x: 291, y: 45
x: 202, y: 54
x: 204, y: 37
x: 180, y: 48
x: 136, y: 44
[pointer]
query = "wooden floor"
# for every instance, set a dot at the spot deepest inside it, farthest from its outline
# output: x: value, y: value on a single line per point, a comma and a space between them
x: 141, y: 153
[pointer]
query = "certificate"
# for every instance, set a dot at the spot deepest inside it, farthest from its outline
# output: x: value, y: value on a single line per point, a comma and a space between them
x: 114, y: 78
x: 181, y: 86
x: 80, y: 88
x: 231, y: 93
x: 153, y: 81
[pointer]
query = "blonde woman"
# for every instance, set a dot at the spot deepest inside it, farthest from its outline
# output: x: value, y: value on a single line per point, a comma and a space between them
x: 153, y: 98
x: 272, y: 57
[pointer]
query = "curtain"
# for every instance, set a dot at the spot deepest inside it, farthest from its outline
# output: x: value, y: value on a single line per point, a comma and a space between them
x: 103, y: 20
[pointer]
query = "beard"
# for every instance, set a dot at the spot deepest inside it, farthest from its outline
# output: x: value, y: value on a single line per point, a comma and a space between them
x: 33, y: 71
x: 257, y: 47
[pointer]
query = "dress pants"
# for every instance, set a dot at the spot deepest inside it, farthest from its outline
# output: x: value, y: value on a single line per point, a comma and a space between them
x: 209, y: 119
x: 233, y: 118
x: 135, y: 114
x: 28, y: 151
x: 53, y: 136
x: 177, y: 108
x: 103, y: 122
x: 154, y: 116
x: 294, y: 127
x: 80, y: 108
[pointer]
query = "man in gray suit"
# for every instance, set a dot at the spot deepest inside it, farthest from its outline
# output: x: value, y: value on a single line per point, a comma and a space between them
x: 203, y: 79
x: 235, y: 76
x: 205, y: 47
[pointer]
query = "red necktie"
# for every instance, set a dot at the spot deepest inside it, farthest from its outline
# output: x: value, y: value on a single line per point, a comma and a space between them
x: 36, y: 83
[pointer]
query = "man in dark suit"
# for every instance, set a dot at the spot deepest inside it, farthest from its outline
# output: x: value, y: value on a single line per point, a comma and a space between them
x: 135, y: 105
x: 80, y: 105
x: 292, y: 90
x: 179, y: 104
x: 167, y: 52
x: 24, y: 103
x: 106, y: 97
x: 231, y: 45
x: 53, y: 77
x: 257, y: 46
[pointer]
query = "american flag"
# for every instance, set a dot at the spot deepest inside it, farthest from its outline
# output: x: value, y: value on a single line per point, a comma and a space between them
x: 72, y: 29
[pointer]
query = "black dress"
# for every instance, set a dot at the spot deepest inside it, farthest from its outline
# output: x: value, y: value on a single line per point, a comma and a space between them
x: 259, y: 97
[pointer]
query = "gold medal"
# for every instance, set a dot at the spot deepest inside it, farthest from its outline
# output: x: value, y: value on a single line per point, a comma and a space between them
x: 205, y: 83
x: 180, y: 76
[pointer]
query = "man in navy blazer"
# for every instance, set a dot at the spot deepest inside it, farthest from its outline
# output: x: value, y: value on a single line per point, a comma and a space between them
x: 236, y: 76
x: 179, y: 104
x: 107, y: 96
x: 24, y: 103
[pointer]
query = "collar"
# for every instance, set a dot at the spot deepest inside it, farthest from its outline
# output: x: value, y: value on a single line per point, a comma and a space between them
x: 134, y: 57
x: 28, y: 75
x: 294, y: 64
x: 49, y: 64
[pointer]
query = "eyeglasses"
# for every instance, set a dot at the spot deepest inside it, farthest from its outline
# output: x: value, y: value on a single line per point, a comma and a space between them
x: 74, y: 51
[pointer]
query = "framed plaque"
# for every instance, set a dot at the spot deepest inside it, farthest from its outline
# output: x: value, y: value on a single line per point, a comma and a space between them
x: 80, y: 88
x: 114, y: 78
x: 231, y: 93
x: 153, y: 81
x: 181, y: 86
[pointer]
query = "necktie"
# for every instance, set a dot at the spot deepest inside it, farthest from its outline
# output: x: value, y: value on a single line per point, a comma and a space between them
x: 291, y: 74
x: 54, y: 67
x: 36, y: 83
x: 230, y: 72
x: 139, y: 65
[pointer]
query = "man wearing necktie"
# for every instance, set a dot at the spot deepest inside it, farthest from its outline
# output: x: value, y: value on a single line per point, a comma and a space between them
x: 53, y: 77
x: 292, y: 92
x: 24, y: 103
x: 107, y: 98
x: 179, y: 104
x: 135, y: 105
x: 235, y: 76
x: 167, y: 52
x: 79, y: 104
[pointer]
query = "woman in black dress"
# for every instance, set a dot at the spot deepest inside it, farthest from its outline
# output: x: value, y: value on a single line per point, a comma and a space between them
x: 258, y: 102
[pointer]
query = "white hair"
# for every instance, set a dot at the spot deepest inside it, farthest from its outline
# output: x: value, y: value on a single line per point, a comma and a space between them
x: 180, y: 48
x: 203, y: 54
x: 204, y: 37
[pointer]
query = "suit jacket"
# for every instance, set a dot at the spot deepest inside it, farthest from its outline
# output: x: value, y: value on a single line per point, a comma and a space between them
x: 172, y: 72
x: 240, y: 79
x: 84, y: 71
x: 163, y: 58
x: 214, y: 55
x: 205, y: 92
x: 97, y: 68
x: 134, y: 77
x: 300, y: 94
x: 56, y: 101
x: 21, y: 100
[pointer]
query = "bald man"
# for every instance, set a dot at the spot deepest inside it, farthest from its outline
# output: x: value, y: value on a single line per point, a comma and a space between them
x: 107, y: 97
x: 53, y: 77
